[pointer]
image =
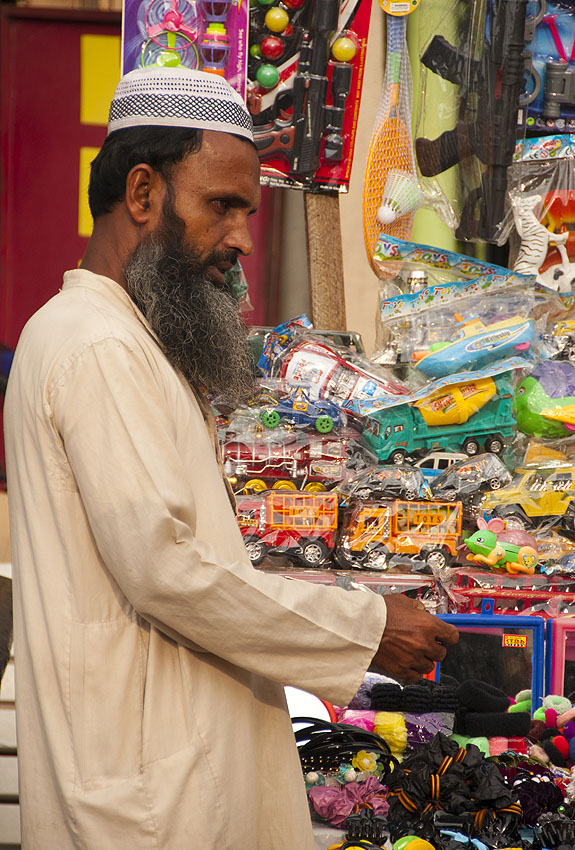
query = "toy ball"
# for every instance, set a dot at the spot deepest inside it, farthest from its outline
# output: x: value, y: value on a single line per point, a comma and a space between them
x: 276, y: 19
x: 293, y: 4
x: 267, y: 76
x: 272, y: 47
x: 265, y: 2
x: 412, y: 842
x: 344, y: 49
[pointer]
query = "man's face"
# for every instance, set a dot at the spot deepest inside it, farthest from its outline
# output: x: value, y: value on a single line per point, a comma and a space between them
x: 215, y: 192
x: 176, y: 274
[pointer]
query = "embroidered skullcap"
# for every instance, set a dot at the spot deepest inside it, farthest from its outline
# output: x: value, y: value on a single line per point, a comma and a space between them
x: 178, y: 97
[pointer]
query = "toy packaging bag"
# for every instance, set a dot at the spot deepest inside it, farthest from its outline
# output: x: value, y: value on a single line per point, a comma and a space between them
x: 472, y: 65
x: 305, y: 72
x: 548, y: 102
x: 541, y: 189
x: 453, y: 327
x: 208, y: 35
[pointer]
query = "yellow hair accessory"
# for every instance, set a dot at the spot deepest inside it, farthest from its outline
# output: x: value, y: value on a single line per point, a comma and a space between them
x: 390, y: 725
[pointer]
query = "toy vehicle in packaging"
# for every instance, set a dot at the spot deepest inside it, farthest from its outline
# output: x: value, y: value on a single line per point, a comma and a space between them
x: 299, y: 409
x: 300, y: 526
x: 434, y: 463
x: 464, y: 479
x: 536, y: 497
x: 386, y: 482
x: 372, y: 532
x: 474, y: 345
x: 327, y: 373
x: 406, y: 431
x: 312, y: 463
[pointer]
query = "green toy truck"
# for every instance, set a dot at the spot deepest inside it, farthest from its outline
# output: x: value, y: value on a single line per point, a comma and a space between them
x: 402, y: 432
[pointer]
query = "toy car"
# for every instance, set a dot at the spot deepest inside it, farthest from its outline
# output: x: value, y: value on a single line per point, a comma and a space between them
x: 310, y: 462
x: 386, y: 482
x: 299, y: 409
x: 465, y: 478
x: 535, y: 498
x: 434, y: 463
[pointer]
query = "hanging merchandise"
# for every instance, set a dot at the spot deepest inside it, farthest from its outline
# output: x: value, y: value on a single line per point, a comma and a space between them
x: 542, y: 196
x: 305, y: 72
x: 390, y: 189
x: 207, y: 35
x: 482, y: 77
x: 549, y: 98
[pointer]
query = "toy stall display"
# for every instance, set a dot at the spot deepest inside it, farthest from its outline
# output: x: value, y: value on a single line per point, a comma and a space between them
x: 207, y: 35
x: 305, y: 74
x: 560, y: 657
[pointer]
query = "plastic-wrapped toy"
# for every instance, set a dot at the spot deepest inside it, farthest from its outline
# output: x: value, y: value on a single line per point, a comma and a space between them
x: 491, y: 546
x: 543, y: 497
x: 297, y: 408
x: 475, y: 344
x: 544, y: 401
x: 287, y: 461
x: 483, y: 77
x: 331, y: 373
x: 463, y: 480
x: 535, y: 242
x: 372, y: 532
x: 405, y: 430
x: 300, y: 526
x: 386, y: 482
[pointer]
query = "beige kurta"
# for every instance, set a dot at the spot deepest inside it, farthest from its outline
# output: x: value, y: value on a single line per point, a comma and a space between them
x: 149, y: 651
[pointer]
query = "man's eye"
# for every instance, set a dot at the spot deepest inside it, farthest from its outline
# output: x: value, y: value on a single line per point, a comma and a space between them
x: 222, y: 205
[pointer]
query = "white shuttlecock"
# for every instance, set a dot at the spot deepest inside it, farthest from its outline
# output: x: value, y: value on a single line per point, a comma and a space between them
x: 401, y: 195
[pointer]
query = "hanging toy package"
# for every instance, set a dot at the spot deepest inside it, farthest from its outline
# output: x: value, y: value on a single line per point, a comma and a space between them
x: 305, y: 72
x: 207, y: 35
x: 473, y: 66
x: 391, y: 192
x: 542, y: 195
x: 549, y: 97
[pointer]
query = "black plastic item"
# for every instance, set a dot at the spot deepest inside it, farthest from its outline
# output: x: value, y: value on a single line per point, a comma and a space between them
x: 324, y: 746
x: 365, y: 826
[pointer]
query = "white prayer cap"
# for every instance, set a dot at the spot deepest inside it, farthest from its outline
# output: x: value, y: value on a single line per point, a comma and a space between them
x: 178, y: 97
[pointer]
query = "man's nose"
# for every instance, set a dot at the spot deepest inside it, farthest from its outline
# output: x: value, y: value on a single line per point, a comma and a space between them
x: 239, y: 237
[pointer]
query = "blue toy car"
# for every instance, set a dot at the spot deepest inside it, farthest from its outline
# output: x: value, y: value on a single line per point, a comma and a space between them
x: 299, y: 409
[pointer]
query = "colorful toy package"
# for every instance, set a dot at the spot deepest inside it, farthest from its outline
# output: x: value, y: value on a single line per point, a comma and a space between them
x: 549, y: 99
x: 210, y: 35
x: 456, y: 326
x: 542, y: 207
x: 306, y: 64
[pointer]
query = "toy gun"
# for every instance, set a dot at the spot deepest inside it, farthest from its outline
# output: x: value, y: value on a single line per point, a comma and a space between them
x: 300, y: 137
x: 490, y: 92
x: 559, y: 88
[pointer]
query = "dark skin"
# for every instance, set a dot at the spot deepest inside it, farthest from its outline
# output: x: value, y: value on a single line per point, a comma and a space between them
x: 216, y: 190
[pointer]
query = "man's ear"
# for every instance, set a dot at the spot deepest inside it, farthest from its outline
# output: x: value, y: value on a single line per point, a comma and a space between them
x: 144, y: 194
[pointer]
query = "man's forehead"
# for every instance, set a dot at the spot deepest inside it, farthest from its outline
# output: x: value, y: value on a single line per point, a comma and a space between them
x: 225, y: 163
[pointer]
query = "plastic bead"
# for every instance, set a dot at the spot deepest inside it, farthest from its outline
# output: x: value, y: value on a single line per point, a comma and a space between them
x: 276, y: 19
x: 267, y: 76
x: 344, y: 49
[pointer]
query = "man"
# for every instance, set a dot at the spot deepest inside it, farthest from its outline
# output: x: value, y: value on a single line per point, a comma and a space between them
x: 151, y: 655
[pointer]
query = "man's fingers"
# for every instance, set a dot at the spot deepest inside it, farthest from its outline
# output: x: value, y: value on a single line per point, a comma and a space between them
x: 446, y: 633
x: 437, y: 653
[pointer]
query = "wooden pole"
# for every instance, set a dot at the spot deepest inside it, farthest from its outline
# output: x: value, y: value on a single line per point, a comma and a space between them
x: 325, y: 260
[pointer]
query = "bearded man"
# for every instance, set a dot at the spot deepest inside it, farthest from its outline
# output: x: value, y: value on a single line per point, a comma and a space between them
x: 150, y: 653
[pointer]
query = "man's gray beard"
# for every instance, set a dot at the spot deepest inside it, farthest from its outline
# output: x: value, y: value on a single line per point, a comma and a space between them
x: 197, y: 323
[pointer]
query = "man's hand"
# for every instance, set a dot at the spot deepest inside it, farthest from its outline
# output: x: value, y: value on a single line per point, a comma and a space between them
x: 413, y: 640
